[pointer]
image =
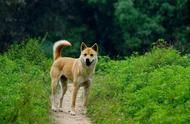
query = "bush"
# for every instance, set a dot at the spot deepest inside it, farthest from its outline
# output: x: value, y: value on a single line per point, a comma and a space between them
x: 153, y: 88
x: 24, y: 88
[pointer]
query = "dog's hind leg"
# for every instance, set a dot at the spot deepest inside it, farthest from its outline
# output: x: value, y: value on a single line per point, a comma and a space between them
x: 54, y: 80
x: 53, y: 93
x: 63, y: 84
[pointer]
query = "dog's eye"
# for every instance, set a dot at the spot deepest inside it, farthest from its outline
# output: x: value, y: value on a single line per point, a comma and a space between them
x: 91, y: 54
x: 85, y: 54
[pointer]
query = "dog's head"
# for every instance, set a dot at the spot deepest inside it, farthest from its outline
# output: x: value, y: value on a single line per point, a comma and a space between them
x: 89, y: 55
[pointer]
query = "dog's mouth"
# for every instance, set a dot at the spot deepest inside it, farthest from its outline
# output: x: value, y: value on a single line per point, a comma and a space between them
x: 88, y: 63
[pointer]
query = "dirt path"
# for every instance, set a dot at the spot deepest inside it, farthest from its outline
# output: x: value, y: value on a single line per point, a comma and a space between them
x: 65, y: 117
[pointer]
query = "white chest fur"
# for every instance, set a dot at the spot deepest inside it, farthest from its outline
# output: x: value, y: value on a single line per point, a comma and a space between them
x: 85, y: 77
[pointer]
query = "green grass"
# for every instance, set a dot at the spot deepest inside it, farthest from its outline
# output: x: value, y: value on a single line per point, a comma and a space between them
x: 24, y: 85
x: 149, y: 89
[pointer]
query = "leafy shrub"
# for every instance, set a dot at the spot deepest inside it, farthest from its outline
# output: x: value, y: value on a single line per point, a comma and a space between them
x: 153, y: 88
x: 24, y: 89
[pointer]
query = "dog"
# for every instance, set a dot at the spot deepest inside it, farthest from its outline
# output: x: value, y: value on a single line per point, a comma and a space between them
x: 78, y: 70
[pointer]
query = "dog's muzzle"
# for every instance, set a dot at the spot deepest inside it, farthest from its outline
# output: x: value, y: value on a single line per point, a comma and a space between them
x: 88, y: 63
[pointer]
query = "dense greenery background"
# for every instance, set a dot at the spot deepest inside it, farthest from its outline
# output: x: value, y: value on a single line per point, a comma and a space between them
x: 142, y: 89
x: 128, y: 25
x: 24, y: 85
x: 150, y: 88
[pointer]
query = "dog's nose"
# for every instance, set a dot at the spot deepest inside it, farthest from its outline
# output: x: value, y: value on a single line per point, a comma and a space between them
x: 87, y: 60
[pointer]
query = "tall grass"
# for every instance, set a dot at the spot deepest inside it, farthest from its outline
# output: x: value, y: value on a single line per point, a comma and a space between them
x: 24, y: 85
x: 149, y: 89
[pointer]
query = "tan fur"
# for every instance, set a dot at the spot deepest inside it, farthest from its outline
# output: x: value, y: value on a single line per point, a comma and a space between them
x: 57, y: 48
x: 79, y: 71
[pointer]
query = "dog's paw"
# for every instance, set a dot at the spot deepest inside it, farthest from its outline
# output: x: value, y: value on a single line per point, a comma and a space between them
x: 54, y: 109
x: 60, y: 109
x: 72, y: 113
x: 83, y: 111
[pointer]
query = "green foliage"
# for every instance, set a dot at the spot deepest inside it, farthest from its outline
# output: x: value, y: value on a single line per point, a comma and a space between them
x: 153, y: 88
x: 139, y: 29
x: 24, y: 87
x: 128, y: 25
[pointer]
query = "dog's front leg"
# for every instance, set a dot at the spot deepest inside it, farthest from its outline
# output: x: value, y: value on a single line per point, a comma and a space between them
x: 86, y: 94
x: 75, y: 91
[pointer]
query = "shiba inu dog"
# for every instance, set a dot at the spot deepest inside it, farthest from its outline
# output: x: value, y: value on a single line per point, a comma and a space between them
x: 79, y: 71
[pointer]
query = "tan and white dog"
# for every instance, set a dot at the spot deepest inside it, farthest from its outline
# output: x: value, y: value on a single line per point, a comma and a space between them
x: 79, y: 71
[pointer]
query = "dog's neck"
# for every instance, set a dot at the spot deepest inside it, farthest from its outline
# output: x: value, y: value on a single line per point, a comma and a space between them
x: 87, y: 69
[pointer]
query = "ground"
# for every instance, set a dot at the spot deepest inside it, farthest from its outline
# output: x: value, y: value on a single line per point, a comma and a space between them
x: 65, y: 117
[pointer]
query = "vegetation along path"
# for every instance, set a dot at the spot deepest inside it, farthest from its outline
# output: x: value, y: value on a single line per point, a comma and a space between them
x: 65, y: 117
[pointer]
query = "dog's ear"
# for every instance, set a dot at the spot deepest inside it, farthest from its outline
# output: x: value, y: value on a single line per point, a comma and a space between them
x: 83, y: 46
x: 95, y: 47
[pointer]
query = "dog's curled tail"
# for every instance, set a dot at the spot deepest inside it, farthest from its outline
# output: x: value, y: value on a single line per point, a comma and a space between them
x: 57, y: 48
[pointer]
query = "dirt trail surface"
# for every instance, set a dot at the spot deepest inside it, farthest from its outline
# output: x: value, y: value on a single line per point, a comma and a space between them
x: 65, y: 117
